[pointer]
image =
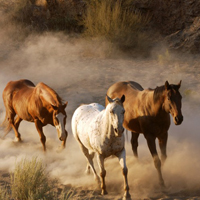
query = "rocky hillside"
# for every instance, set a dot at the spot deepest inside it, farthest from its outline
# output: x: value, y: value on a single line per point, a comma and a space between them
x: 177, y: 20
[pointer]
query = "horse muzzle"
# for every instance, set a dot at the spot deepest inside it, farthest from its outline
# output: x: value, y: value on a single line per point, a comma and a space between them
x: 178, y: 120
x: 63, y: 137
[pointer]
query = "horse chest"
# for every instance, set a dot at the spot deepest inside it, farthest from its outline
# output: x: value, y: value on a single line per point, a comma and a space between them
x: 108, y: 146
x: 155, y: 126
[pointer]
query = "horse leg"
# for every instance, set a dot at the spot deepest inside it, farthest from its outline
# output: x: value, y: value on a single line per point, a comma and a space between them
x: 152, y: 147
x: 15, y: 124
x: 163, y: 145
x: 87, y: 171
x: 100, y: 160
x: 39, y: 126
x: 89, y: 158
x: 15, y: 127
x: 122, y: 161
x: 134, y: 143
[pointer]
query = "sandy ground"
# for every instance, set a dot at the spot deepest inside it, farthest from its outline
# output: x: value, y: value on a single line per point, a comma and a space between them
x: 81, y: 73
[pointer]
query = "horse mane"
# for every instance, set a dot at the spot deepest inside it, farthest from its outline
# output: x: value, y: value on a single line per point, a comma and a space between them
x: 158, y: 91
x: 49, y: 94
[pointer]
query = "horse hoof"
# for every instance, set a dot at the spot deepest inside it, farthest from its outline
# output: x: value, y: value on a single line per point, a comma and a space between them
x: 104, y: 192
x: 162, y: 186
x: 60, y: 149
x: 17, y: 140
x: 126, y: 196
x: 87, y: 172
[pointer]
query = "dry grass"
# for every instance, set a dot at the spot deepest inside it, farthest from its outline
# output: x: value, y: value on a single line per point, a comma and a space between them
x: 31, y: 181
x: 4, y: 193
x: 117, y: 21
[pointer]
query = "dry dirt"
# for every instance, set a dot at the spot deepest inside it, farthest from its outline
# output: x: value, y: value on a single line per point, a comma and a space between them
x: 81, y: 72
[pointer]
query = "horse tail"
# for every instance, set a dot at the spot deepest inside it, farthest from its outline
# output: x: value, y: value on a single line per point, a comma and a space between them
x: 6, y: 123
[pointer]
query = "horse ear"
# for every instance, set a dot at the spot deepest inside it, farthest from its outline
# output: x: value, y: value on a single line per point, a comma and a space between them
x: 179, y: 85
x: 109, y: 99
x: 123, y: 98
x: 65, y: 105
x: 167, y: 87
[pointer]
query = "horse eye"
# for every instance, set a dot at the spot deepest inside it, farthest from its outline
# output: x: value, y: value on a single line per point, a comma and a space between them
x: 123, y: 111
x: 112, y: 112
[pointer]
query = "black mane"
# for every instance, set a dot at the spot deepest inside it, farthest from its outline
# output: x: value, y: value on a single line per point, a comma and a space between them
x: 158, y: 91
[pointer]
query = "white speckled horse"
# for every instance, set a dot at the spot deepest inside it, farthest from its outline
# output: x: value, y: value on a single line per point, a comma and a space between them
x: 100, y: 130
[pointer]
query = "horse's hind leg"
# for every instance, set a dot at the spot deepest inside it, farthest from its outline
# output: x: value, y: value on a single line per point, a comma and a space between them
x: 89, y: 158
x: 87, y: 171
x: 134, y: 143
x: 16, y: 127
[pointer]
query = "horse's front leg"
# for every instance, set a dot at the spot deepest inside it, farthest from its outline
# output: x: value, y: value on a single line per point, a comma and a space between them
x: 163, y: 145
x: 122, y: 161
x: 39, y: 126
x: 100, y: 160
x: 152, y: 147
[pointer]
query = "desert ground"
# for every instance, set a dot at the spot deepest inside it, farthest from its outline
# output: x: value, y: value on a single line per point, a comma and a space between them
x: 81, y: 72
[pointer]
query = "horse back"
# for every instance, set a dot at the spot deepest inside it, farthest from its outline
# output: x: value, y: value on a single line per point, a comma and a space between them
x: 129, y: 88
x: 17, y: 90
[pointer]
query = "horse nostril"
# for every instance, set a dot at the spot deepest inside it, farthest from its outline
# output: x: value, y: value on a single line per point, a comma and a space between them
x: 115, y: 130
x: 60, y: 138
x: 181, y: 118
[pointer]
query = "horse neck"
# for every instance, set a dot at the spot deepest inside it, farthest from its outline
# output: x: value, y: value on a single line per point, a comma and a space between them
x: 158, y: 102
x: 151, y: 105
x: 49, y: 96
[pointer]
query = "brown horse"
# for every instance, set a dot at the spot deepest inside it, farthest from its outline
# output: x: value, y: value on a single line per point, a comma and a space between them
x: 39, y: 104
x: 148, y: 112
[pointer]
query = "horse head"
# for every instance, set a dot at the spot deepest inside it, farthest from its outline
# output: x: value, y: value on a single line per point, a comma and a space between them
x: 116, y: 113
x: 172, y: 102
x: 59, y: 120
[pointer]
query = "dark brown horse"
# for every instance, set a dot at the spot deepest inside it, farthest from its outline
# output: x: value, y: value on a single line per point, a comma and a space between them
x: 148, y: 112
x: 39, y: 104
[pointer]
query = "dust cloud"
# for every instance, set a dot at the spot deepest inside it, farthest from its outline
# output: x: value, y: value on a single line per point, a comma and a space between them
x: 80, y: 71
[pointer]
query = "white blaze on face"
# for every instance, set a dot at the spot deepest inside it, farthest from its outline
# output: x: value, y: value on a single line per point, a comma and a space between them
x: 61, y: 126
